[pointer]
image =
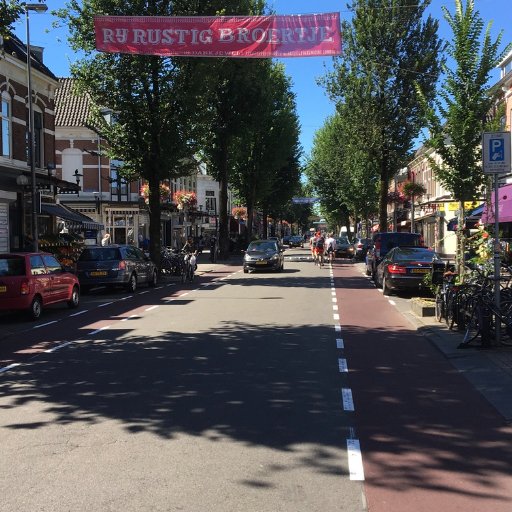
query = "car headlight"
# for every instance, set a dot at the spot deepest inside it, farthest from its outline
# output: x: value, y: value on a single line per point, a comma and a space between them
x: 275, y: 257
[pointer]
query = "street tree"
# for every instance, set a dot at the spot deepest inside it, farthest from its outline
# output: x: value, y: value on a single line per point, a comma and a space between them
x: 229, y: 85
x: 157, y: 102
x: 391, y: 51
x: 268, y: 150
x: 10, y: 11
x: 465, y: 101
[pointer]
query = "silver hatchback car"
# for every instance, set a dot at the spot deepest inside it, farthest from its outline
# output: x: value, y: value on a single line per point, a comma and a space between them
x: 114, y: 265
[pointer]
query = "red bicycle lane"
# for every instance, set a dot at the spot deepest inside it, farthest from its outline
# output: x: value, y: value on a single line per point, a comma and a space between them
x: 429, y: 440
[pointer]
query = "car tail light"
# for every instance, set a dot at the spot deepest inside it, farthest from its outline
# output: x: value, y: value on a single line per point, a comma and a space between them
x: 122, y: 265
x: 25, y: 288
x: 359, y: 245
x: 396, y: 269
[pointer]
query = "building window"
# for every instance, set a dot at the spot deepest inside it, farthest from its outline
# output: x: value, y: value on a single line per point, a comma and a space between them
x: 38, y: 138
x: 211, y: 205
x: 5, y: 127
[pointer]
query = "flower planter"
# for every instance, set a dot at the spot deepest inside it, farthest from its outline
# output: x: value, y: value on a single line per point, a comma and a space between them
x: 423, y: 307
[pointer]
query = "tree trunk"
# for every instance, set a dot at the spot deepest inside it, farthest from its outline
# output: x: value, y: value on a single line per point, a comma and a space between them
x: 383, y: 204
x: 154, y: 217
x: 223, y: 200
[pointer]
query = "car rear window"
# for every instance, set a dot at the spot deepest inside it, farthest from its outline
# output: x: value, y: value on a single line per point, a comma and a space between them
x: 264, y: 246
x: 14, y: 266
x: 100, y: 254
x: 412, y: 254
x: 390, y: 240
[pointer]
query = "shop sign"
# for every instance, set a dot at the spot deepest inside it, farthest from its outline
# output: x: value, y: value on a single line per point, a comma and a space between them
x: 468, y: 205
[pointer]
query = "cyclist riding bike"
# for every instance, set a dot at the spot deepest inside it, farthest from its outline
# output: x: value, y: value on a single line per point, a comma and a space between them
x: 190, y: 250
x: 319, y: 244
x: 330, y: 243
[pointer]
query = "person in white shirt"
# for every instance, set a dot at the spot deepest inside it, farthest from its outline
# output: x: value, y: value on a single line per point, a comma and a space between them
x: 330, y: 244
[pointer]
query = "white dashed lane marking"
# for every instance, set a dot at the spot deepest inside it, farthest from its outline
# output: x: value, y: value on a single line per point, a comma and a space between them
x: 346, y: 398
x: 355, y: 460
x: 339, y: 343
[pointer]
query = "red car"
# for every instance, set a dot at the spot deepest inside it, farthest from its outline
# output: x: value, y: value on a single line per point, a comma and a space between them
x: 31, y: 281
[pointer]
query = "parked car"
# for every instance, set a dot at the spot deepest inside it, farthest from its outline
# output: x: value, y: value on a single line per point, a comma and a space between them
x: 344, y: 248
x: 296, y: 241
x: 382, y: 243
x: 32, y: 281
x: 286, y: 239
x: 361, y: 248
x: 264, y: 255
x: 114, y: 265
x: 404, y: 268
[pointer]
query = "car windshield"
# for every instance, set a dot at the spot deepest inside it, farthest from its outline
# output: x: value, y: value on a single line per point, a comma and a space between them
x: 414, y: 254
x: 100, y: 254
x: 262, y: 246
x: 12, y: 267
x: 342, y: 241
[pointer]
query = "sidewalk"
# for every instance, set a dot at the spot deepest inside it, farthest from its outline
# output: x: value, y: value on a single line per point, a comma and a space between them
x: 489, y: 371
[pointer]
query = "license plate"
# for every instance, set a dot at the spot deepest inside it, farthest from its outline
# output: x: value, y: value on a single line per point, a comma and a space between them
x: 261, y: 263
x: 3, y: 289
x: 420, y: 270
x: 97, y: 274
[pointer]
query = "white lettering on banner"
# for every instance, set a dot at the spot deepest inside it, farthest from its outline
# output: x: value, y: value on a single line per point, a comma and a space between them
x: 170, y: 36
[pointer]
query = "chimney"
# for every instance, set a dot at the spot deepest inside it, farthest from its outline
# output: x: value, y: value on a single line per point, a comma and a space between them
x: 37, y: 52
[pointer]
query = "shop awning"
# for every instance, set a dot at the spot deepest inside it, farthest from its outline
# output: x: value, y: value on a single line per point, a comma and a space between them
x: 74, y: 219
x: 504, y: 206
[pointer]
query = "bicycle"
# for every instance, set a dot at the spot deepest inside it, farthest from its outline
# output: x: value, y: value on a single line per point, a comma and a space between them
x: 481, y: 312
x: 189, y: 262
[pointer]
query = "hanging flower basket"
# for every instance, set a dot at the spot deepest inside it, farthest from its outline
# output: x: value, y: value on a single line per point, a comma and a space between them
x: 165, y: 193
x: 395, y: 197
x: 239, y: 212
x: 184, y: 199
x: 413, y: 189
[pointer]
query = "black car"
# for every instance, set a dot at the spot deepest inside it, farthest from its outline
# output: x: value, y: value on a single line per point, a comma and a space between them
x: 264, y: 255
x: 296, y: 241
x: 344, y: 248
x: 404, y: 268
x: 382, y: 243
x: 112, y: 265
x: 361, y: 248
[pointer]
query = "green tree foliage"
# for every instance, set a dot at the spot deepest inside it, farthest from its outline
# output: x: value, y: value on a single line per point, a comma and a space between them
x: 10, y: 11
x: 157, y: 102
x: 464, y: 102
x: 265, y: 168
x: 229, y: 86
x: 391, y: 51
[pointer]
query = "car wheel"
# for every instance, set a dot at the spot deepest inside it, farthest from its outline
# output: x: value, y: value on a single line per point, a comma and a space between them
x: 246, y: 271
x: 154, y: 279
x: 36, y: 308
x: 385, y: 288
x: 132, y: 284
x: 75, y: 298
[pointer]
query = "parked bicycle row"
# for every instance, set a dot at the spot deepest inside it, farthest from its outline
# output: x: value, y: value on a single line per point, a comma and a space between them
x: 472, y: 306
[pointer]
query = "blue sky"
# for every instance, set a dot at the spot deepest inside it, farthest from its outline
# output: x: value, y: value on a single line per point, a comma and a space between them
x: 312, y: 103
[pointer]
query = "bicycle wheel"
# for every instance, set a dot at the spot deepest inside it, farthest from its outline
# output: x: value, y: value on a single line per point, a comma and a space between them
x: 506, y: 322
x: 473, y: 320
x: 439, y: 307
x: 450, y: 309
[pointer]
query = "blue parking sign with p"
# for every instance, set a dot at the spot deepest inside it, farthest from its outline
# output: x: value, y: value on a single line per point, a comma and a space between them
x: 497, y: 150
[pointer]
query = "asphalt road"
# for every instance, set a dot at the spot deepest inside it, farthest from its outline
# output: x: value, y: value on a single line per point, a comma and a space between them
x: 222, y: 396
x: 302, y: 391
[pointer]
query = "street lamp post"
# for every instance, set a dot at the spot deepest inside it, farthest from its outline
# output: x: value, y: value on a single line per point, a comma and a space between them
x: 31, y: 135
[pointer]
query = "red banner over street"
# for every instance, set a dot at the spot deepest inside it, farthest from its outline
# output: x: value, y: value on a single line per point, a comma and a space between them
x: 304, y: 35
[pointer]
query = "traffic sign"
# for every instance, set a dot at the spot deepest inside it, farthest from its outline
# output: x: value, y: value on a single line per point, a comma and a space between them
x: 496, y: 152
x: 304, y: 200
